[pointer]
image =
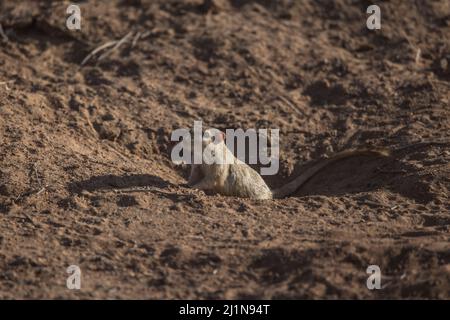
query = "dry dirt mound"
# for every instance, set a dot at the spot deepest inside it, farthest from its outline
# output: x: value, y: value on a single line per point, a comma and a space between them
x: 71, y: 138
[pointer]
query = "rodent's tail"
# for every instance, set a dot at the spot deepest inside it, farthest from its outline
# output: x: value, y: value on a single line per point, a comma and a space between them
x: 295, y: 184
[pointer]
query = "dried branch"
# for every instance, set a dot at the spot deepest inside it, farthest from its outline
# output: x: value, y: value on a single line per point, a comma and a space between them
x: 3, y: 35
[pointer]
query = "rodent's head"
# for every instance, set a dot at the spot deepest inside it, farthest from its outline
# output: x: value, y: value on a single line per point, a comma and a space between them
x: 194, y: 144
x: 209, y: 136
x: 213, y: 135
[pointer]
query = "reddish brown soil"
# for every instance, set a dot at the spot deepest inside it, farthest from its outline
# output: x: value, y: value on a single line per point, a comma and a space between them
x: 71, y: 136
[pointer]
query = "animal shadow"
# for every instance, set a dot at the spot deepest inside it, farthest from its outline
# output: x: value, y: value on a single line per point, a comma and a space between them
x: 109, y: 182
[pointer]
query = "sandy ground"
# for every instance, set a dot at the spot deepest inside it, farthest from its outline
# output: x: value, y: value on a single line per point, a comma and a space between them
x: 71, y: 138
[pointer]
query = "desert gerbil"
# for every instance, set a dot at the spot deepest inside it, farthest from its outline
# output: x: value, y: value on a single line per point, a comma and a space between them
x: 236, y: 178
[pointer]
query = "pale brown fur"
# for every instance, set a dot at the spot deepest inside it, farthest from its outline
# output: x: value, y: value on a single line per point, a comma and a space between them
x: 232, y: 179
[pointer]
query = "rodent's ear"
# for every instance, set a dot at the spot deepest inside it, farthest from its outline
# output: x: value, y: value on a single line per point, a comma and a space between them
x: 222, y: 136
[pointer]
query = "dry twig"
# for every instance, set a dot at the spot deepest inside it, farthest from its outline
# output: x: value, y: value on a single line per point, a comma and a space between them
x: 5, y: 83
x: 3, y: 35
x: 135, y: 40
x: 117, y: 45
x: 98, y: 49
